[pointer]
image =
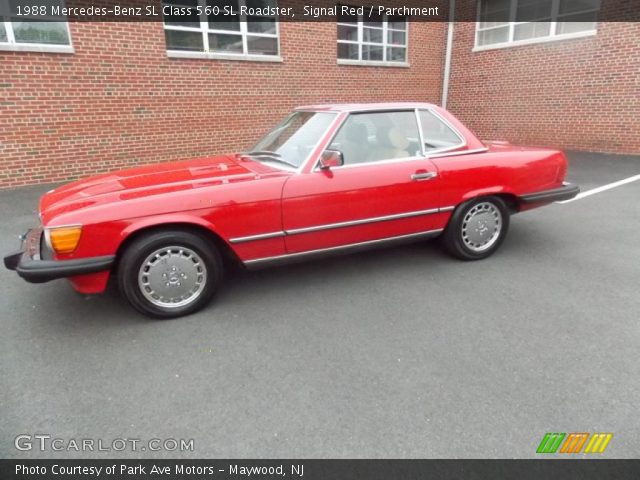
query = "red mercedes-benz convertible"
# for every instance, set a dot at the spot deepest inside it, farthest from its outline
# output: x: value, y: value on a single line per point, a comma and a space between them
x: 328, y: 179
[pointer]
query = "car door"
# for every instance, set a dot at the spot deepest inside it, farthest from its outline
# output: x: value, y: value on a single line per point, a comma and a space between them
x: 385, y: 188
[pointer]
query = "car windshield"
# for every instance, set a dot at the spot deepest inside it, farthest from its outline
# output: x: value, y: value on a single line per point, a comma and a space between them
x: 291, y: 142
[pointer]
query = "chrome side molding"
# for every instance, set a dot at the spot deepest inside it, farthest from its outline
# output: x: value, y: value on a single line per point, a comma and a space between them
x: 330, y: 226
x: 349, y: 248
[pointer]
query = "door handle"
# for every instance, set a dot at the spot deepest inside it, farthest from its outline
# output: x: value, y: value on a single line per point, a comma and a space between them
x: 418, y: 177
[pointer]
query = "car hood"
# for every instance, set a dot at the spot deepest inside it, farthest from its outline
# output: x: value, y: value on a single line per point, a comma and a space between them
x: 148, y: 181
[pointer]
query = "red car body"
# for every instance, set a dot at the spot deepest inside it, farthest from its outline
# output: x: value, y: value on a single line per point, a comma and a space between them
x: 264, y: 214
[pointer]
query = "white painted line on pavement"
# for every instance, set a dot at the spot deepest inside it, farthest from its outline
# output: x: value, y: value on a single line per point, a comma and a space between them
x: 603, y: 188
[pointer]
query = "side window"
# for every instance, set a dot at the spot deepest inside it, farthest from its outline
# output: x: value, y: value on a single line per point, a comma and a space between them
x: 437, y: 135
x: 371, y: 137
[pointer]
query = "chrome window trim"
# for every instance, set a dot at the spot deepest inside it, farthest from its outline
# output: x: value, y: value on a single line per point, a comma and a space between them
x: 425, y: 155
x: 435, y: 151
x: 349, y: 223
x: 420, y: 133
x: 458, y: 153
x: 288, y: 256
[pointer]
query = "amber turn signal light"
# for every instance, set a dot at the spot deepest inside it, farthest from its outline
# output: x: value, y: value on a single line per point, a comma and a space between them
x: 64, y: 239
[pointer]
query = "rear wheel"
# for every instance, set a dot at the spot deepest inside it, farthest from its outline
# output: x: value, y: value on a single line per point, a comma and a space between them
x: 477, y: 228
x: 169, y: 274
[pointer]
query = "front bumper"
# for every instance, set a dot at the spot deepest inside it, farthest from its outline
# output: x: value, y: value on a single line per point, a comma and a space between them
x: 566, y: 192
x: 35, y: 264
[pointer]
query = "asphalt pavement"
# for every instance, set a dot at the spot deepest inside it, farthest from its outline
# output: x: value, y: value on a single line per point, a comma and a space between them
x: 396, y: 353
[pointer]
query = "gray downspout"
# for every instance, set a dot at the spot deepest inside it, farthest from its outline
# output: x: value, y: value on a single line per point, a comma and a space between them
x: 447, y: 59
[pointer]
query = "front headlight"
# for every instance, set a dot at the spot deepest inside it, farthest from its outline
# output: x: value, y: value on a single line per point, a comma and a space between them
x: 63, y: 239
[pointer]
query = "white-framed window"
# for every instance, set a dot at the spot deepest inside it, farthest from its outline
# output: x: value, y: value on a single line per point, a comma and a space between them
x: 210, y: 31
x: 378, y: 40
x: 26, y: 26
x: 503, y: 23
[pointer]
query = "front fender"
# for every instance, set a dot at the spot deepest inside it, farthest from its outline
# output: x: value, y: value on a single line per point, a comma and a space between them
x: 165, y: 220
x: 112, y: 237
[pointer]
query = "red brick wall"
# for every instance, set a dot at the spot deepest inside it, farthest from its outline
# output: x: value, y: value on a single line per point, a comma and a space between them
x: 581, y: 94
x: 119, y: 101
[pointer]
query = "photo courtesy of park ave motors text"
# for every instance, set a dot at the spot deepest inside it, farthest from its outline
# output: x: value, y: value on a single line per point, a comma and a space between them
x: 261, y: 229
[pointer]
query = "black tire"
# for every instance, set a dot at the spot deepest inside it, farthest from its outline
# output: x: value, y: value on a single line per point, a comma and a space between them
x: 204, y: 257
x: 456, y: 240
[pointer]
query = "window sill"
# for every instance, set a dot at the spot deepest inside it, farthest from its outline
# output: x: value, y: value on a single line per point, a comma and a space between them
x: 372, y: 63
x: 534, y: 41
x: 222, y: 56
x: 32, y: 47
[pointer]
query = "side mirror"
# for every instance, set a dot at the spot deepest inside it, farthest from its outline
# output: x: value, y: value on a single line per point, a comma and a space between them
x: 331, y: 158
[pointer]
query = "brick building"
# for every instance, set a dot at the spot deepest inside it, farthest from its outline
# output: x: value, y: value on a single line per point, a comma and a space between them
x: 78, y: 98
x: 580, y: 93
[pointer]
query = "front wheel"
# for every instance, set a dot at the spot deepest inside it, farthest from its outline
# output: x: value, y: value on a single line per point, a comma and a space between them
x: 477, y: 228
x: 169, y: 274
